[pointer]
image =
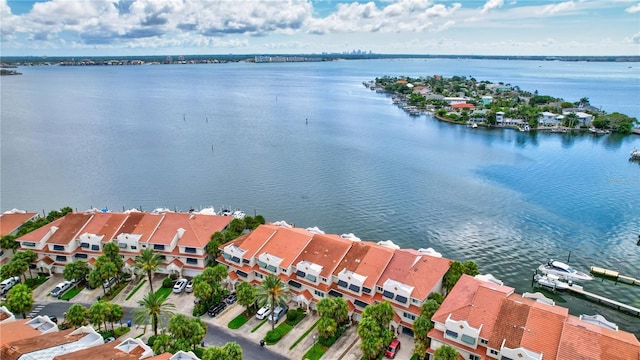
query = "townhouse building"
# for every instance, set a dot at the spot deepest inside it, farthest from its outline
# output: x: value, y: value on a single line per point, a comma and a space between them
x: 318, y: 265
x: 485, y: 320
x: 10, y: 222
x: 179, y: 238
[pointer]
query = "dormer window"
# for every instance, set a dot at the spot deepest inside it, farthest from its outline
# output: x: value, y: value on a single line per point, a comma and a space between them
x: 401, y: 299
x: 58, y: 248
x: 354, y: 288
x: 95, y: 247
x: 301, y: 274
x: 342, y: 283
x: 387, y: 294
x: 84, y: 245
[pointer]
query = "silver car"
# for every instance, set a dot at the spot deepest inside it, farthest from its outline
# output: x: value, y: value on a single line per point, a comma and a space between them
x: 180, y: 285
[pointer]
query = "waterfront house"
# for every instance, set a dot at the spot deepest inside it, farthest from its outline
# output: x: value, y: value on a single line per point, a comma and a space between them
x: 179, y: 238
x: 320, y: 265
x: 10, y: 222
x: 583, y: 118
x: 484, y: 320
x: 486, y: 100
x: 462, y: 106
x: 550, y: 119
x: 499, y: 117
x: 455, y: 100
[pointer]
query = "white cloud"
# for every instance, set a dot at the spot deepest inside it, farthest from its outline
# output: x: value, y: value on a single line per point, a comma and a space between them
x: 636, y: 38
x: 491, y: 4
x: 557, y: 8
x: 633, y: 9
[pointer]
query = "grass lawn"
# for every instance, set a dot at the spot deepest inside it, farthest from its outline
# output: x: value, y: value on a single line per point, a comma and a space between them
x: 258, y: 326
x: 282, y: 329
x: 164, y: 292
x: 69, y: 294
x: 114, y: 292
x: 315, y: 352
x: 35, y: 282
x: 237, y: 322
x: 136, y: 289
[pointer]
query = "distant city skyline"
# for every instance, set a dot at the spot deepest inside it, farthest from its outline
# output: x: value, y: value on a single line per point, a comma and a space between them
x: 175, y: 27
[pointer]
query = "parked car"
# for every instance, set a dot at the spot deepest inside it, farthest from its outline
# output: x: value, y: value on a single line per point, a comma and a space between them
x: 217, y: 309
x: 109, y: 282
x: 180, y: 285
x: 109, y: 339
x: 392, y: 349
x: 278, y: 313
x: 263, y: 312
x: 60, y: 288
x: 53, y: 318
x: 231, y: 298
x: 7, y: 284
x: 189, y: 287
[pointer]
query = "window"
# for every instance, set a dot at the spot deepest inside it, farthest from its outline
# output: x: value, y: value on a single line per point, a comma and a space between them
x: 379, y: 288
x: 84, y: 245
x: 29, y: 244
x: 311, y: 278
x: 468, y: 339
x: 272, y: 268
x: 235, y: 259
x: 190, y: 250
x: 258, y: 275
x: 324, y: 279
x: 162, y: 257
x: 245, y: 261
x: 262, y: 264
x: 387, y: 294
x: 360, y: 303
x: 58, y: 248
x: 334, y: 293
x: 505, y: 358
x: 474, y: 357
x: 415, y: 301
x: 122, y: 245
x: 1, y: 252
x: 283, y: 270
x: 493, y: 352
x: 133, y: 247
x: 401, y: 299
x: 484, y: 341
x: 95, y: 247
x: 158, y: 247
x: 409, y: 316
x: 354, y: 288
x: 226, y: 256
x: 60, y: 258
x: 295, y: 284
x: 80, y: 256
x: 300, y: 273
x: 192, y: 261
x: 342, y: 283
x: 366, y: 290
x: 451, y: 334
x: 242, y: 273
x: 319, y: 293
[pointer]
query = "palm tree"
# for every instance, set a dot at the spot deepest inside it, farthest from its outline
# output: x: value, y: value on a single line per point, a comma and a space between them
x: 148, y: 262
x: 154, y: 309
x: 273, y: 292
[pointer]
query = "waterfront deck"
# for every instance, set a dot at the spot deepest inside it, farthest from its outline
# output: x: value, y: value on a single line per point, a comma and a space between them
x: 604, y: 300
x: 606, y: 273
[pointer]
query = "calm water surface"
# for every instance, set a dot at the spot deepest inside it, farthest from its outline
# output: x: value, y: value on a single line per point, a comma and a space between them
x: 309, y: 144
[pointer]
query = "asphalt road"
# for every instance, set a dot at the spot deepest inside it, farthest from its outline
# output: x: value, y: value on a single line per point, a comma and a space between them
x: 216, y: 335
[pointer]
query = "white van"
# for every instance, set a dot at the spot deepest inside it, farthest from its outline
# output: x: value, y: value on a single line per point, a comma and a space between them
x: 60, y: 288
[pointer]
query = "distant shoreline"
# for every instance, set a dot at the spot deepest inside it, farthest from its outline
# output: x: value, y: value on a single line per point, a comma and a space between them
x: 201, y: 59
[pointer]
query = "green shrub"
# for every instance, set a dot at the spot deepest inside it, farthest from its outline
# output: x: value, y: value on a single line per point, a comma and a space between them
x: 295, y: 316
x: 199, y: 351
x: 173, y: 277
x: 167, y: 283
x: 152, y: 338
x: 273, y: 336
x: 121, y: 331
x: 329, y: 341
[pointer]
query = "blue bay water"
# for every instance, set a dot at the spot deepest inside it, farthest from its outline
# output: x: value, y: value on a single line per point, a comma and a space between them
x: 308, y: 143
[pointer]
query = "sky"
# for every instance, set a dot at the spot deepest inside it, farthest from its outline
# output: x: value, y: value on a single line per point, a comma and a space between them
x: 442, y: 27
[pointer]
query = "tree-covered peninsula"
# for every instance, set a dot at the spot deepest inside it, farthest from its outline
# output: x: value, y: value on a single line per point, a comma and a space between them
x: 469, y: 101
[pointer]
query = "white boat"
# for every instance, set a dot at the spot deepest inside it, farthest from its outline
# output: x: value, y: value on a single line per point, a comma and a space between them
x: 552, y: 281
x: 239, y: 214
x: 564, y: 271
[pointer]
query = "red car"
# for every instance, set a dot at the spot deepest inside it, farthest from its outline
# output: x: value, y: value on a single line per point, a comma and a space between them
x: 392, y: 349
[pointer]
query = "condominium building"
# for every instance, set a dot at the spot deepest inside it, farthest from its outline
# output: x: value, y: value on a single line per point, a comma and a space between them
x: 317, y: 265
x: 484, y: 320
x: 10, y: 222
x: 180, y: 238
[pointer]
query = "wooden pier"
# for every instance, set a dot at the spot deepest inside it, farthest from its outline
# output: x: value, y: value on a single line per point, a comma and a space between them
x: 605, y: 301
x: 614, y: 275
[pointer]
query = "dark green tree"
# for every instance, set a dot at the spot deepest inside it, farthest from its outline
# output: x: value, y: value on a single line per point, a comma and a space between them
x: 8, y: 242
x: 77, y: 270
x: 247, y: 295
x: 20, y: 300
x: 186, y: 332
x: 153, y: 310
x: 76, y: 315
x: 445, y: 352
x: 148, y: 262
x: 273, y: 292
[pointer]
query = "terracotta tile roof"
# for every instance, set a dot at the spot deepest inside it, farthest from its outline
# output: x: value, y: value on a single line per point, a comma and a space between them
x: 15, y: 349
x: 202, y: 227
x: 144, y: 224
x: 582, y: 340
x: 326, y: 251
x: 69, y: 228
x: 106, y: 224
x: 177, y: 263
x: 510, y: 325
x: 39, y: 233
x: 9, y: 223
x: 163, y: 356
x: 366, y: 259
x: 17, y: 330
x: 130, y: 261
x: 47, y: 260
x: 439, y: 336
x: 463, y: 106
x: 255, y: 240
x: 286, y: 244
x: 543, y: 330
x: 102, y: 352
x: 423, y: 272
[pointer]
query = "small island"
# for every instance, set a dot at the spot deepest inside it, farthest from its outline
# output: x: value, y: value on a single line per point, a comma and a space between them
x: 4, y: 71
x: 476, y: 103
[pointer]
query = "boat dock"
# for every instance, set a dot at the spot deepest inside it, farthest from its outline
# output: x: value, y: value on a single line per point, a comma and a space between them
x: 605, y: 301
x: 614, y: 275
